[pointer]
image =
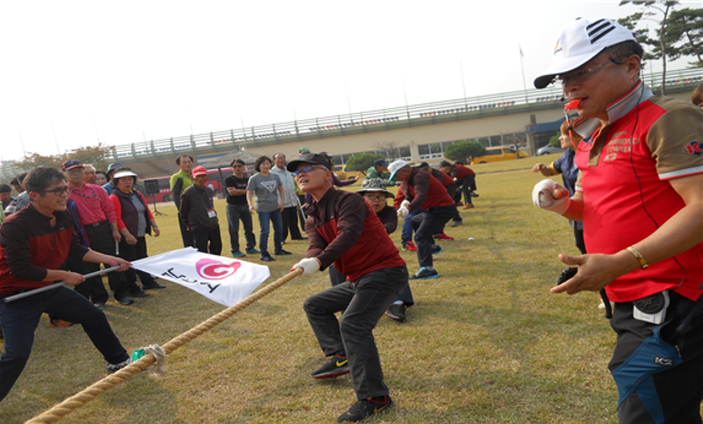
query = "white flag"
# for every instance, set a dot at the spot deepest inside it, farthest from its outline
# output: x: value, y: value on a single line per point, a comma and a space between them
x: 223, y: 280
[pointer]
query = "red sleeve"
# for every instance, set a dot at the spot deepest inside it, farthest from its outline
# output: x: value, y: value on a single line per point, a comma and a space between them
x: 117, y: 210
x: 106, y: 204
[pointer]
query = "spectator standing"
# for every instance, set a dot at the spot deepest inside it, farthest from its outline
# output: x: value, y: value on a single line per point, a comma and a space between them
x: 697, y: 96
x: 237, y: 209
x: 97, y: 216
x: 422, y: 190
x: 135, y: 221
x: 198, y: 211
x: 6, y: 198
x: 640, y: 199
x: 100, y: 178
x: 22, y: 199
x: 34, y: 242
x: 289, y: 214
x: 356, y: 241
x: 111, y: 168
x: 89, y: 175
x: 179, y: 182
x: 268, y: 190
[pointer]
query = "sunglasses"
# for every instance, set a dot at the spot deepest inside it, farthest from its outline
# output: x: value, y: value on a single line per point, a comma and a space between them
x: 307, y: 169
x: 58, y: 191
x: 375, y: 197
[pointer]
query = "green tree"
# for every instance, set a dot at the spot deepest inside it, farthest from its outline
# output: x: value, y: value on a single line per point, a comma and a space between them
x: 99, y: 156
x: 362, y: 162
x: 464, y: 150
x: 686, y: 26
x: 554, y: 141
x: 662, y: 48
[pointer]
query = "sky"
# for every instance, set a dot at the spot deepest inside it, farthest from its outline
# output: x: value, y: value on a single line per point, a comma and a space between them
x: 79, y: 73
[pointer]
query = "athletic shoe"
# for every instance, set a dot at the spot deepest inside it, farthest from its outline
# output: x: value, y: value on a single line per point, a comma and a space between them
x: 397, y: 312
x: 338, y: 365
x: 459, y: 203
x: 139, y: 294
x: 154, y: 286
x: 409, y: 246
x: 99, y: 305
x: 238, y: 254
x: 125, y: 300
x: 424, y: 274
x: 116, y: 367
x: 60, y: 323
x: 267, y: 258
x: 363, y: 409
x: 457, y: 223
x: 282, y: 252
x: 469, y: 206
x: 252, y: 251
x: 437, y: 249
x: 472, y: 194
x: 443, y: 236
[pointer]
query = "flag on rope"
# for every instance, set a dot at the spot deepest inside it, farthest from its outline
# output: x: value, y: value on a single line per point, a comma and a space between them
x: 223, y: 280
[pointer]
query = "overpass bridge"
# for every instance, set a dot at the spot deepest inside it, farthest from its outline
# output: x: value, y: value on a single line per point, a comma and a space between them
x: 415, y: 132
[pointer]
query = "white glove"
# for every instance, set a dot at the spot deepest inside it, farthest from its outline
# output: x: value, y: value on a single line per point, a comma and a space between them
x: 403, y: 211
x: 405, y: 203
x: 542, y: 197
x: 308, y: 265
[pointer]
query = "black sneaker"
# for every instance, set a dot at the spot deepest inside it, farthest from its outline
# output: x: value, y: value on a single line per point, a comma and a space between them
x: 267, y: 258
x: 338, y: 365
x: 252, y: 251
x: 436, y: 249
x: 125, y: 300
x: 424, y: 274
x: 282, y: 252
x: 363, y: 409
x: 139, y: 294
x: 397, y: 312
x: 154, y: 286
x: 116, y: 367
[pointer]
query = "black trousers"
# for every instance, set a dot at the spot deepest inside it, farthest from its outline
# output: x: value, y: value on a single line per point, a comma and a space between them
x: 132, y: 252
x: 426, y: 225
x: 100, y: 239
x: 21, y: 317
x: 186, y: 235
x: 290, y: 221
x: 205, y: 240
x: 364, y: 302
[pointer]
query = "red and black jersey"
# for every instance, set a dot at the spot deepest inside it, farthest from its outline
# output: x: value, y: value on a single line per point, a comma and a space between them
x: 29, y: 246
x: 344, y: 230
x: 461, y: 171
x: 425, y: 191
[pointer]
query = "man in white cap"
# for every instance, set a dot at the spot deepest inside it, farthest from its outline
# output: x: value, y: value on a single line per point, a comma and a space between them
x: 422, y: 190
x: 640, y: 197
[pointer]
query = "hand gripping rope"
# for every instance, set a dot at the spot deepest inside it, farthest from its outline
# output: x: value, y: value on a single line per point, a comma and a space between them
x: 76, y: 401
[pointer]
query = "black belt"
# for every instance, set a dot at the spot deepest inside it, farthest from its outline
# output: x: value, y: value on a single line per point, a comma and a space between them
x: 97, y: 224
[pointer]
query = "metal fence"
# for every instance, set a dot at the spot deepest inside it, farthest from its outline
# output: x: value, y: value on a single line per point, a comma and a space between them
x: 375, y: 120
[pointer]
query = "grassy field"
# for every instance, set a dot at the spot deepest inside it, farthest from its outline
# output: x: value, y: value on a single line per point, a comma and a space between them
x: 485, y: 343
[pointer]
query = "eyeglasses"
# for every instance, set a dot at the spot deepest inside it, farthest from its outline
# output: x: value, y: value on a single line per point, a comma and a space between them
x: 580, y: 76
x: 237, y: 166
x: 58, y: 191
x: 372, y: 197
x: 307, y: 169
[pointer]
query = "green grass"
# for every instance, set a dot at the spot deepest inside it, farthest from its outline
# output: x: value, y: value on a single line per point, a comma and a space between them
x: 485, y: 343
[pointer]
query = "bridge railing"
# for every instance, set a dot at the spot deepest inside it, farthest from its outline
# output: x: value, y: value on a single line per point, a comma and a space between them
x: 391, y: 117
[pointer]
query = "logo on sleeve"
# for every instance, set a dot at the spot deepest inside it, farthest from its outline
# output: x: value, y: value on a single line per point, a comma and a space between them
x: 694, y: 148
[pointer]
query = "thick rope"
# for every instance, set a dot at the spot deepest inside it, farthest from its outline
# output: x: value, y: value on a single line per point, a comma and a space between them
x: 76, y: 401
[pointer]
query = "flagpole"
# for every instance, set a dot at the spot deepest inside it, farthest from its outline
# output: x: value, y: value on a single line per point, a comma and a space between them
x: 522, y: 67
x: 57, y: 285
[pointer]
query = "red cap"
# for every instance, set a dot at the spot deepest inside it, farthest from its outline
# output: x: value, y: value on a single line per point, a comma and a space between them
x: 198, y: 170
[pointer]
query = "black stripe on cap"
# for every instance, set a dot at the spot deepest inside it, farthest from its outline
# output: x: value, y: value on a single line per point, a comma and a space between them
x: 600, y: 27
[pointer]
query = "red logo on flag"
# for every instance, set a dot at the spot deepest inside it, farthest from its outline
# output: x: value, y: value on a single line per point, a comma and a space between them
x: 211, y: 269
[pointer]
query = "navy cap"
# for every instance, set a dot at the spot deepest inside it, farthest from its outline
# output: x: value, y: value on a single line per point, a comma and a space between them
x: 71, y: 164
x: 380, y: 162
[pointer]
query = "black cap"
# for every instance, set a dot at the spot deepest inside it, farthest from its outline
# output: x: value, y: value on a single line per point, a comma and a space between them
x: 444, y: 163
x: 308, y: 158
x: 423, y: 165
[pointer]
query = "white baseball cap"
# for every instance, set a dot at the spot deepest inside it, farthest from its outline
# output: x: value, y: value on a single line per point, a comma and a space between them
x: 580, y: 41
x: 395, y: 166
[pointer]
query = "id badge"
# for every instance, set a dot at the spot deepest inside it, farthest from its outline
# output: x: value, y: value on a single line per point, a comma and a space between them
x: 211, y: 213
x: 651, y: 309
